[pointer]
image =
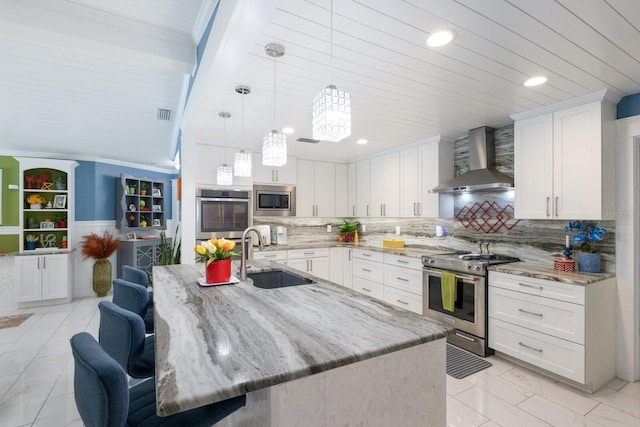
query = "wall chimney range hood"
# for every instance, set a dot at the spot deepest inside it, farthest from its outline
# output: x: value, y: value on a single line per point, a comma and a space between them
x: 482, y: 174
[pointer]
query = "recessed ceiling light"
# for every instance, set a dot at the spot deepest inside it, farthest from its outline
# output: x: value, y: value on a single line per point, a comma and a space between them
x: 362, y: 141
x: 535, y: 81
x: 440, y: 38
x: 288, y: 130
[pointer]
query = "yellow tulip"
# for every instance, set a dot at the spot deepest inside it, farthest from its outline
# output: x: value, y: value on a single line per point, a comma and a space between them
x: 233, y: 245
x: 200, y: 249
x: 227, y: 246
x: 213, y: 241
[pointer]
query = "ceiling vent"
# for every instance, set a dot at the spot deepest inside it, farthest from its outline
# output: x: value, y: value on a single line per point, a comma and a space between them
x: 308, y: 140
x: 164, y: 114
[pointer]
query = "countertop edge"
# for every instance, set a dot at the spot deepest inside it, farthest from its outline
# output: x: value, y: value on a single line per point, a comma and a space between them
x: 535, y: 271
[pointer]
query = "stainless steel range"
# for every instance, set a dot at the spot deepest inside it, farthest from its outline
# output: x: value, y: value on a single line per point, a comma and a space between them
x: 469, y: 315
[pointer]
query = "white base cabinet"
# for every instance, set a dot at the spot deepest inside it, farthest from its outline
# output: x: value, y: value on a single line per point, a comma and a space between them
x: 312, y: 261
x: 564, y: 329
x: 42, y: 277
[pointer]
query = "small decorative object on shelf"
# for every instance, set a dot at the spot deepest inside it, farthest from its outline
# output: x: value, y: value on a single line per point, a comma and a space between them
x: 61, y: 184
x: 60, y: 201
x: 143, y: 188
x: 348, y: 230
x: 47, y: 186
x: 212, y: 252
x: 100, y: 248
x: 589, y: 260
x: 156, y: 192
x: 35, y: 201
x: 31, y: 242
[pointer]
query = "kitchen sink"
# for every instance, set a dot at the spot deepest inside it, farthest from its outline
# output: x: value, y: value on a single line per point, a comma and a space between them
x: 277, y: 279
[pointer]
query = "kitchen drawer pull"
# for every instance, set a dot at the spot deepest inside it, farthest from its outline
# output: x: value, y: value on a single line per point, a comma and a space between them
x: 531, y: 286
x: 308, y: 253
x: 270, y: 256
x: 529, y: 312
x: 366, y: 254
x: 539, y: 350
x: 402, y: 302
x: 403, y: 279
x: 366, y: 289
x: 367, y: 270
x: 465, y: 337
x: 400, y: 261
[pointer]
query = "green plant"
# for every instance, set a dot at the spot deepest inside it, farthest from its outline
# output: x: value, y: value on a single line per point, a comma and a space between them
x: 143, y: 185
x: 348, y: 228
x: 59, y: 179
x: 31, y: 238
x: 586, y: 235
x: 170, y: 254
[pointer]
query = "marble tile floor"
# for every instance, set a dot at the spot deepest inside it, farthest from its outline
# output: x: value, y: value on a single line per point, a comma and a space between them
x: 36, y: 383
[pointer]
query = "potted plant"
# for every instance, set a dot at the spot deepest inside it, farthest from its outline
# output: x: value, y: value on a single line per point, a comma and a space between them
x: 100, y: 248
x: 31, y: 242
x: 60, y: 182
x: 132, y: 188
x: 143, y: 188
x: 35, y: 201
x: 216, y: 253
x: 589, y: 260
x: 348, y: 230
x: 61, y: 221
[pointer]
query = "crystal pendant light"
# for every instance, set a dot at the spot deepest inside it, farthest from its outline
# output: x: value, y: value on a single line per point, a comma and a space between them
x: 225, y: 175
x: 274, y: 144
x: 332, y: 108
x: 242, y: 159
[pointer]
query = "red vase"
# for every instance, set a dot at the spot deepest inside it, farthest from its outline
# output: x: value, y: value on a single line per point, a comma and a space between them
x: 218, y: 271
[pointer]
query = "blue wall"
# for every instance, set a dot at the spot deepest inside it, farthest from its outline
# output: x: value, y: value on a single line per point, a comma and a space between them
x: 96, y: 189
x: 629, y: 106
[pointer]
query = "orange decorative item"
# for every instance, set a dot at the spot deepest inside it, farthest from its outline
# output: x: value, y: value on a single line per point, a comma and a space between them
x: 562, y: 264
x: 218, y: 271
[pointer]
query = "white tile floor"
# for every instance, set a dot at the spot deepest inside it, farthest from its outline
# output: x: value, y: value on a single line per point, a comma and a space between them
x: 36, y: 383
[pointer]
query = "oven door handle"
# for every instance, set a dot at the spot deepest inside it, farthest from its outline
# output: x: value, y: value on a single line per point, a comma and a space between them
x: 462, y: 276
x: 221, y: 199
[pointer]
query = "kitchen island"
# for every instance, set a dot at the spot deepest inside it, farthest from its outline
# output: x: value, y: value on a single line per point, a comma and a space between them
x: 316, y: 354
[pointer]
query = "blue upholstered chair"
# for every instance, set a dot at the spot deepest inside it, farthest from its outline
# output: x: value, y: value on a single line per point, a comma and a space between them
x: 135, y: 298
x: 122, y: 336
x: 104, y: 398
x: 139, y: 276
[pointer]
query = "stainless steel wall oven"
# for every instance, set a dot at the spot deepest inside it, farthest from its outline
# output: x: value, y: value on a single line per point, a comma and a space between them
x: 222, y: 213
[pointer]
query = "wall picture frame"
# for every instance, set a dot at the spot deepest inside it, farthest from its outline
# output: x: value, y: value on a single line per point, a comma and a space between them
x: 156, y: 222
x: 131, y: 236
x: 47, y: 224
x: 60, y: 201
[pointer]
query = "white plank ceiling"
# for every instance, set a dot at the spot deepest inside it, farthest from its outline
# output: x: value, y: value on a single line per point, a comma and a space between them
x: 86, y: 76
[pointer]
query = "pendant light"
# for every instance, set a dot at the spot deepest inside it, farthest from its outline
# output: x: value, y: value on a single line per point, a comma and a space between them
x: 224, y: 173
x: 332, y: 108
x: 274, y: 144
x: 242, y: 159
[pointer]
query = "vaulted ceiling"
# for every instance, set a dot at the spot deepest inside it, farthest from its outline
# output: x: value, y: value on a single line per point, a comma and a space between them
x: 87, y: 76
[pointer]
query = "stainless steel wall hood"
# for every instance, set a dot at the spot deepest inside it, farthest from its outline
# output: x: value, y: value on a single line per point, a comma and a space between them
x: 482, y: 174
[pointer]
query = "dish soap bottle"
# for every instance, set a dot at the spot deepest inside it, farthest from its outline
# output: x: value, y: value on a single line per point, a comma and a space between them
x: 355, y: 238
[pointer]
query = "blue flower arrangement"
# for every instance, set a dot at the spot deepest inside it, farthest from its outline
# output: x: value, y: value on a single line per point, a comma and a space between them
x: 585, y: 235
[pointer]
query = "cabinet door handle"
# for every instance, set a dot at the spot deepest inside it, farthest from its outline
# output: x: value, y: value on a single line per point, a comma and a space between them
x: 270, y: 256
x: 44, y: 263
x: 38, y: 263
x: 531, y: 286
x: 354, y: 210
x: 415, y: 209
x: 403, y: 279
x: 539, y: 350
x: 308, y: 253
x: 366, y: 289
x: 556, y: 208
x: 401, y: 261
x: 547, y: 210
x: 381, y: 214
x: 367, y: 210
x: 419, y: 208
x: 402, y: 302
x: 349, y: 254
x: 367, y: 270
x: 529, y: 312
x: 366, y: 254
x: 465, y: 337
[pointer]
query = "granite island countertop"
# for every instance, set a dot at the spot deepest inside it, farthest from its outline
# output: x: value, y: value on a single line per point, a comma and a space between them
x: 415, y: 251
x: 213, y: 343
x: 526, y: 269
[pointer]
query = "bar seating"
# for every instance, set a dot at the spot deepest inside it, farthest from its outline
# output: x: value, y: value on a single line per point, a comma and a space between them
x: 122, y: 336
x: 135, y: 298
x: 103, y: 397
x: 139, y: 276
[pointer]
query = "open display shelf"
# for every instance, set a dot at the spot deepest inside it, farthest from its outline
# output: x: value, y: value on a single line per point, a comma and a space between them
x: 141, y: 204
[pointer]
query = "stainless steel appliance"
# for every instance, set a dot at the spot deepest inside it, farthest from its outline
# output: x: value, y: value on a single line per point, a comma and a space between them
x: 469, y: 316
x: 274, y: 200
x: 222, y: 213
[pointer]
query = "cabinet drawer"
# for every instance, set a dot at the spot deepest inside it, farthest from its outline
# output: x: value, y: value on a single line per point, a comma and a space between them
x: 368, y: 287
x: 371, y: 256
x: 544, y: 288
x: 270, y: 255
x: 400, y: 298
x: 403, y: 261
x: 307, y: 253
x: 404, y: 279
x: 562, y: 357
x: 557, y: 318
x: 369, y: 270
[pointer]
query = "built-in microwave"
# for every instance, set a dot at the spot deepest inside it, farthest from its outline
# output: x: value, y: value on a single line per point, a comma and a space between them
x: 274, y: 200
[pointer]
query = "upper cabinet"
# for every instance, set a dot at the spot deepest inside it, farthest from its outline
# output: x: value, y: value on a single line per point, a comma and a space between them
x: 316, y: 189
x: 274, y: 175
x: 209, y: 157
x: 564, y: 161
x: 384, y: 178
x: 48, y: 205
x: 351, y: 191
x: 141, y: 203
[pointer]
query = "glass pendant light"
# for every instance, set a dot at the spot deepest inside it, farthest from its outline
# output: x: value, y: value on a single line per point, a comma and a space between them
x: 274, y: 144
x: 225, y: 175
x: 331, y: 108
x: 242, y: 159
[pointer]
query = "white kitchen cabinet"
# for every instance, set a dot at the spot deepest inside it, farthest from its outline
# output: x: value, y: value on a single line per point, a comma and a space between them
x: 209, y: 157
x: 315, y: 189
x: 352, y: 201
x: 347, y: 268
x: 312, y: 261
x: 277, y: 256
x: 336, y: 258
x: 342, y: 191
x: 384, y: 178
x: 561, y: 328
x: 42, y: 277
x: 368, y: 273
x: 274, y: 175
x: 409, y: 182
x: 363, y: 189
x: 564, y: 163
x: 403, y: 282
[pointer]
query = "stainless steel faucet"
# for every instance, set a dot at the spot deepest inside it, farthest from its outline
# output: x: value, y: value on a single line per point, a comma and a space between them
x: 243, y: 258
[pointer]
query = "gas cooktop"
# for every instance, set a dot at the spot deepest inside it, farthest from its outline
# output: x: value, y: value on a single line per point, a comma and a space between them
x: 473, y: 263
